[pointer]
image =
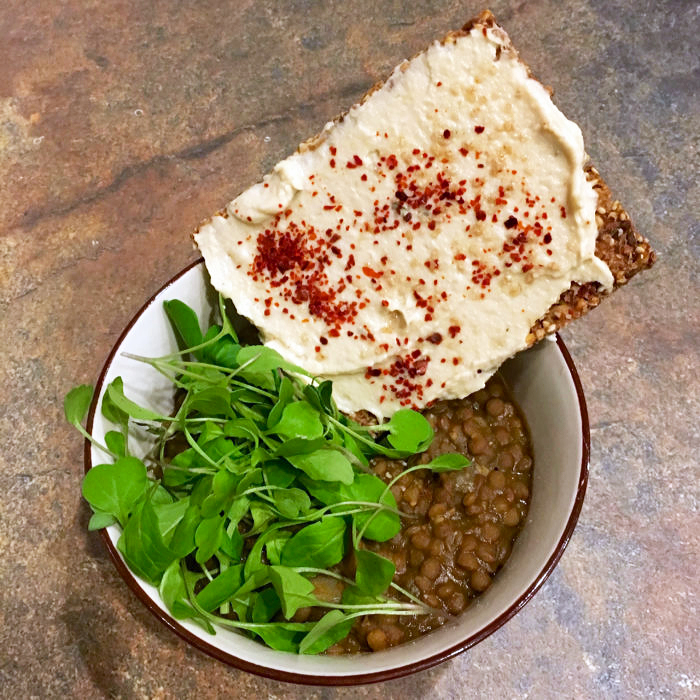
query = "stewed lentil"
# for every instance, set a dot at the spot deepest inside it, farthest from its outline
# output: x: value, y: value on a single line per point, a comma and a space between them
x: 464, y: 522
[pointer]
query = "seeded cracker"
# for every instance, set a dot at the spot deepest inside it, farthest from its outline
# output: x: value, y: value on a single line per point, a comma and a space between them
x: 406, y: 251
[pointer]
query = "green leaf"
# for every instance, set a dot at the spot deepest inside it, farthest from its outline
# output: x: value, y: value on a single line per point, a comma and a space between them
x: 383, y: 525
x: 207, y: 537
x: 243, y: 428
x: 239, y: 507
x: 374, y: 573
x: 253, y: 477
x: 267, y: 604
x: 223, y: 488
x: 254, y: 561
x: 232, y: 544
x: 299, y: 420
x: 299, y: 446
x: 320, y: 545
x: 353, y: 447
x: 331, y: 628
x: 275, y: 545
x: 262, y: 515
x: 169, y: 516
x: 100, y: 520
x: 409, y: 431
x: 111, y: 412
x: 174, y: 593
x: 185, y: 323
x: 221, y: 589
x: 278, y: 473
x: 281, y: 637
x: 116, y: 488
x: 352, y: 595
x: 116, y: 395
x: 448, y: 462
x: 320, y: 397
x: 142, y: 545
x: 264, y: 359
x: 285, y: 395
x: 293, y: 589
x: 116, y: 443
x: 291, y: 502
x: 223, y: 353
x: 212, y: 402
x: 325, y: 465
x: 182, y: 542
x: 77, y: 402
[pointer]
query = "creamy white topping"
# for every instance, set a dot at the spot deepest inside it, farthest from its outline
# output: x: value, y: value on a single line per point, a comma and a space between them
x: 407, y: 254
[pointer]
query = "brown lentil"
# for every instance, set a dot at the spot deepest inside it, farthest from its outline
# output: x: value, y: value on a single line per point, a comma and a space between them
x: 466, y: 521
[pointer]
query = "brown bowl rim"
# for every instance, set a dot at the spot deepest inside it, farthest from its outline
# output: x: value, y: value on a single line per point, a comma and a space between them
x: 364, y: 678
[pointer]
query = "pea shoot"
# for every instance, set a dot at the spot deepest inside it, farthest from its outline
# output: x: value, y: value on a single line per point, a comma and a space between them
x: 270, y: 488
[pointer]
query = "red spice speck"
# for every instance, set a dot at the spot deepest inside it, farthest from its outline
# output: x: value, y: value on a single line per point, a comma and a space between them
x: 369, y: 272
x: 446, y: 134
x: 479, y: 129
x: 454, y: 330
x: 547, y: 238
x: 434, y: 338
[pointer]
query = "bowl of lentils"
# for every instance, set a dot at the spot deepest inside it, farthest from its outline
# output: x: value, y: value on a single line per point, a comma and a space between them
x: 426, y: 551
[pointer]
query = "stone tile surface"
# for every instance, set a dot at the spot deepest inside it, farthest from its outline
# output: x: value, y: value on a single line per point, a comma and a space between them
x: 123, y: 124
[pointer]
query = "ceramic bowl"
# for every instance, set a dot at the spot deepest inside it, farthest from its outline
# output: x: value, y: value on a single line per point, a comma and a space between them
x: 545, y: 384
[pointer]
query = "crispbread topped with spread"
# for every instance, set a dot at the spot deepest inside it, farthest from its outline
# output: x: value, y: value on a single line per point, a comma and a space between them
x: 417, y: 242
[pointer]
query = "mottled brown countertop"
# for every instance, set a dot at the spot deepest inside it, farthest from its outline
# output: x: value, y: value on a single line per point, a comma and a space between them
x: 123, y: 124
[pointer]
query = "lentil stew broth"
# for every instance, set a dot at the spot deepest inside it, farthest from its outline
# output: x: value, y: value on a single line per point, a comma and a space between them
x: 464, y: 523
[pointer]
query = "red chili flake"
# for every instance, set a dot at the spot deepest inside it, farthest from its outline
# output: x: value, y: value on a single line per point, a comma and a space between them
x: 333, y: 150
x: 439, y: 83
x: 547, y: 238
x: 460, y: 256
x: 454, y: 330
x: 446, y: 134
x: 332, y: 162
x: 455, y: 360
x: 371, y: 273
x: 463, y: 151
x: 431, y: 225
x: 434, y: 338
x: 385, y: 302
x: 363, y: 177
x: 479, y: 129
x: 563, y: 212
x: 510, y: 222
x: 481, y: 215
x: 323, y: 340
x: 528, y: 267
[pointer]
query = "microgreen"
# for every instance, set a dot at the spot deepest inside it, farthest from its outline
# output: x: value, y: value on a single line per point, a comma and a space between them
x: 269, y: 487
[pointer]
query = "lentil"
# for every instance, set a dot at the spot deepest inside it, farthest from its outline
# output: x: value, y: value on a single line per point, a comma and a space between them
x: 466, y: 520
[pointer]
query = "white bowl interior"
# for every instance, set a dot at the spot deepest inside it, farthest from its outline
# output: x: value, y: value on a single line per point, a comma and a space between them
x: 542, y: 385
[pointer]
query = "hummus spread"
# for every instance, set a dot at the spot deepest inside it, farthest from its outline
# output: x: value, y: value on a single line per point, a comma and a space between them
x: 406, y: 252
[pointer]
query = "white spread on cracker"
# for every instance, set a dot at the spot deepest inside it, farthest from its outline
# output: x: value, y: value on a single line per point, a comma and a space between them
x: 406, y: 254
